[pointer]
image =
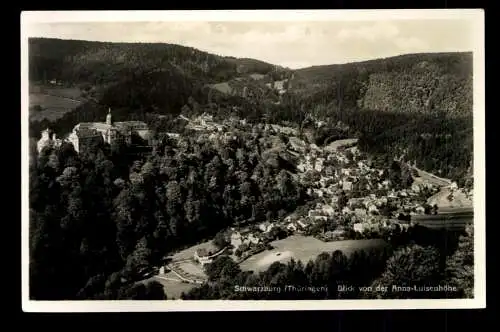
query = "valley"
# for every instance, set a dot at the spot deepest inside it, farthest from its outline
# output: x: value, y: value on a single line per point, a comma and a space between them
x: 250, y: 173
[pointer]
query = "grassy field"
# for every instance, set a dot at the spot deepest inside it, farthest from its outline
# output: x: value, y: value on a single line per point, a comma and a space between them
x: 333, y: 146
x: 223, y: 87
x: 303, y: 248
x: 189, y: 252
x: 193, y: 268
x: 55, y: 101
x: 183, y: 260
x: 173, y: 288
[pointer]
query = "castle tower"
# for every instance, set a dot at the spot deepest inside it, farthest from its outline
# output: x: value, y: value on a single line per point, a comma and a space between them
x: 44, y: 140
x: 109, y: 119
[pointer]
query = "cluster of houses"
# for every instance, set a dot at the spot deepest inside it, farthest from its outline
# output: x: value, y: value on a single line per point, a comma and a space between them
x: 335, y: 172
x: 279, y: 86
x: 204, y: 122
x: 338, y: 171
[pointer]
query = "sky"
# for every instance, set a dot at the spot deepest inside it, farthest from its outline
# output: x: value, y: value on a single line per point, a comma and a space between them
x: 293, y: 44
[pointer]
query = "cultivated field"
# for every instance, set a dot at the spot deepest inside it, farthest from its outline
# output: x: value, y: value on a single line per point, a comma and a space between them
x: 55, y: 102
x: 303, y: 248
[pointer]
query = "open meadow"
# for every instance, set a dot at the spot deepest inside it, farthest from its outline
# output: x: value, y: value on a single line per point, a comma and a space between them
x: 54, y: 101
x: 172, y: 286
x: 188, y: 253
x: 304, y: 248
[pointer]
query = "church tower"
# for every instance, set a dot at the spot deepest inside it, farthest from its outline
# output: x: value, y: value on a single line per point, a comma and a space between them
x: 109, y: 119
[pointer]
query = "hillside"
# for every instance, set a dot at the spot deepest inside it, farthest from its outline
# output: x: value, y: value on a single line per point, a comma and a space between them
x: 422, y: 83
x: 80, y: 62
x: 410, y: 105
x: 132, y: 78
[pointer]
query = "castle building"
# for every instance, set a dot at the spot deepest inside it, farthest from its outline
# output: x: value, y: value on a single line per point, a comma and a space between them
x: 85, y: 134
x: 48, y: 140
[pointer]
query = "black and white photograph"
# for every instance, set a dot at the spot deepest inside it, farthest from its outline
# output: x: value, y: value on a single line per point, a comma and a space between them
x: 252, y: 160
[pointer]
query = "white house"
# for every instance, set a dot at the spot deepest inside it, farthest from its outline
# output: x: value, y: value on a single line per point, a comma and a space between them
x: 420, y: 209
x: 236, y: 239
x: 346, y: 210
x: 328, y: 210
x: 358, y: 227
x: 253, y: 239
x: 302, y: 223
x: 203, y: 257
x: 266, y: 226
x: 372, y: 208
x: 318, y: 192
x: 347, y: 185
x: 361, y: 213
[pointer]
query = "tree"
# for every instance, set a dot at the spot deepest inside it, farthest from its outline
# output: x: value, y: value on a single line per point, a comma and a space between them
x: 222, y: 264
x: 342, y: 200
x: 278, y: 233
x: 220, y: 240
x: 36, y: 108
x: 153, y: 290
x: 410, y: 266
x: 460, y: 266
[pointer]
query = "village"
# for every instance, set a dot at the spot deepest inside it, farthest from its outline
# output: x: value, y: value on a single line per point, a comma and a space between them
x: 350, y: 199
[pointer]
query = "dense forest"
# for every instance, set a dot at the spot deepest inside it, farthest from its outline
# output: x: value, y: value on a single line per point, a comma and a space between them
x: 97, y: 219
x: 412, y: 104
x: 98, y: 63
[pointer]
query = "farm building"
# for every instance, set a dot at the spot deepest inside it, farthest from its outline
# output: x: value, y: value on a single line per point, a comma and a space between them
x: 205, y: 256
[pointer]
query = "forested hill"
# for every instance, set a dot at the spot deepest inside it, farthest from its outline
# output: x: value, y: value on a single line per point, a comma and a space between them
x: 77, y: 61
x: 411, y: 105
x: 423, y: 83
x: 134, y: 79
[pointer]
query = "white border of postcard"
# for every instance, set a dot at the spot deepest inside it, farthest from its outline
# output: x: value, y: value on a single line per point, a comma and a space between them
x: 476, y: 16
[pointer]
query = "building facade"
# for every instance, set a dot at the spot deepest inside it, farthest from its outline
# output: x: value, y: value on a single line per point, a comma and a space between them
x: 87, y: 133
x: 47, y: 140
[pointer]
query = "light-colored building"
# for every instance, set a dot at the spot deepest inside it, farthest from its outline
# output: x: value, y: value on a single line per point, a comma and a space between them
x: 328, y: 210
x: 420, y: 209
x: 252, y: 238
x: 302, y: 223
x: 358, y: 227
x: 236, y: 239
x: 86, y: 133
x: 266, y: 227
x: 347, y: 185
x: 372, y: 208
x: 204, y: 257
x: 361, y: 213
x: 47, y: 140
